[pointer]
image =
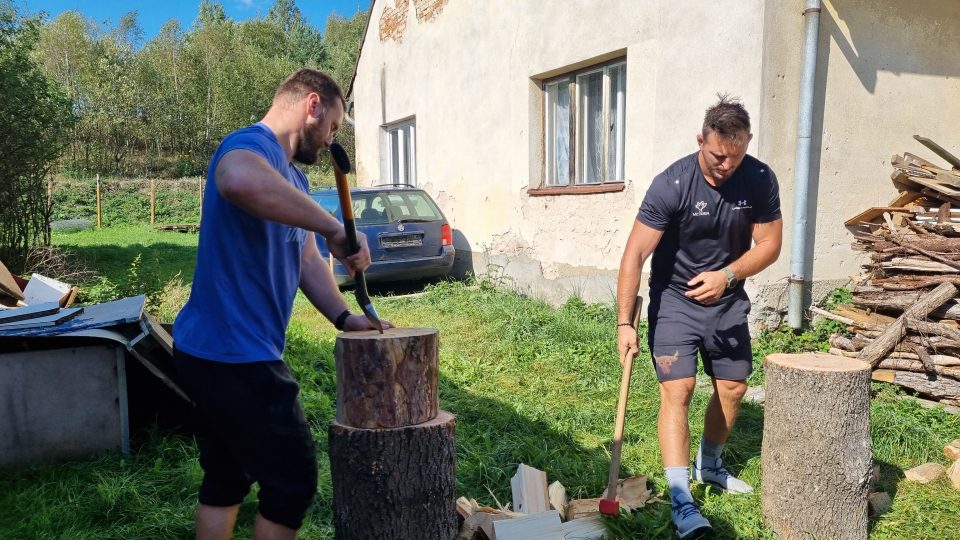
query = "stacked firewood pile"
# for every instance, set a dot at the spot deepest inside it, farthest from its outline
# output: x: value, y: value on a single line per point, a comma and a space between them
x: 905, y: 314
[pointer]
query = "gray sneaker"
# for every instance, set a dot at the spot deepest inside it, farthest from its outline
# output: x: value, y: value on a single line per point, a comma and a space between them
x: 688, y: 519
x: 720, y: 477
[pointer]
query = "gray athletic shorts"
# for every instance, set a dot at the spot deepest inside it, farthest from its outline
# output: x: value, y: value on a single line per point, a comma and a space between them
x: 681, y: 327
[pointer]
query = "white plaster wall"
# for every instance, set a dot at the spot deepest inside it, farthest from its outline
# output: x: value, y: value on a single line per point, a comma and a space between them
x: 466, y: 76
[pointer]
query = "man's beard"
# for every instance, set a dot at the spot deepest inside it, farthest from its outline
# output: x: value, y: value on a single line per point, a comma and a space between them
x: 305, y: 152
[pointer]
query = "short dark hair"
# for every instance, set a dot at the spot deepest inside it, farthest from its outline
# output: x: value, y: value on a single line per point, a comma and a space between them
x: 727, y: 118
x: 297, y: 86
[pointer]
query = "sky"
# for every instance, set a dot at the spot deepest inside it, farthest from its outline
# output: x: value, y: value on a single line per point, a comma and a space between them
x: 151, y: 14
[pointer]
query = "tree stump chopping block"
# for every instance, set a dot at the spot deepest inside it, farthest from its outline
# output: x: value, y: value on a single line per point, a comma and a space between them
x: 387, y: 380
x: 392, y: 452
x: 816, y: 456
x: 395, y: 484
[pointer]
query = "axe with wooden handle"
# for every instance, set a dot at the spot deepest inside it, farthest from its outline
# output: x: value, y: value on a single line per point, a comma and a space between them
x: 609, y: 504
x: 341, y: 166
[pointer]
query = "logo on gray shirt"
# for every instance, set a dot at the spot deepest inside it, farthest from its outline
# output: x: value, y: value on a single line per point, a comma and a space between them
x: 700, y: 206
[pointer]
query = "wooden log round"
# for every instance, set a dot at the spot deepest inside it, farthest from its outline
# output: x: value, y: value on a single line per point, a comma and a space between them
x: 387, y: 380
x: 816, y: 455
x: 394, y: 484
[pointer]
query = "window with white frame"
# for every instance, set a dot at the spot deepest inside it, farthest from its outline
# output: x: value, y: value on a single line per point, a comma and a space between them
x: 584, y: 126
x: 401, y: 152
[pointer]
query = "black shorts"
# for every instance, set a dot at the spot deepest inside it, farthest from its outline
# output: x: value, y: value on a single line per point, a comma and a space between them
x: 681, y: 327
x: 251, y: 428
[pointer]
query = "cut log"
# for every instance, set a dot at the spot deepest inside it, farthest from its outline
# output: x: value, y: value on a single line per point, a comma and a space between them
x: 815, y: 457
x: 394, y: 483
x: 387, y: 380
x: 529, y: 488
x: 952, y: 450
x: 895, y: 332
x: 916, y: 366
x: 926, y: 473
x: 935, y: 386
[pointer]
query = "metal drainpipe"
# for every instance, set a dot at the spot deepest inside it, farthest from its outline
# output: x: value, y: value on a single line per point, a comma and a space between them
x: 798, y: 279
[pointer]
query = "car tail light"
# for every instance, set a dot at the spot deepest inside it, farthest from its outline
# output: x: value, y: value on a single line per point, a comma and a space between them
x: 446, y: 235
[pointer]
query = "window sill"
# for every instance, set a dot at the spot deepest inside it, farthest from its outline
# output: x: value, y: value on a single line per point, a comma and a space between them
x: 611, y: 187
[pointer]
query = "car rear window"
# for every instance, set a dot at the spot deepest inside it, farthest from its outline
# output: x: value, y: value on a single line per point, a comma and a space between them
x: 383, y: 207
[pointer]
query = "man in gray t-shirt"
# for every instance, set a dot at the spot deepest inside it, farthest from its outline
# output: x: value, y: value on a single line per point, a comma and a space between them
x: 697, y: 219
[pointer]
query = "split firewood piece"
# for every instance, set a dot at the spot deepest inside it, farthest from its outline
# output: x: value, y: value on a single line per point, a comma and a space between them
x: 879, y: 503
x: 558, y: 497
x: 631, y: 492
x: 584, y: 528
x: 464, y: 508
x: 952, y: 450
x: 953, y: 473
x: 581, y: 508
x: 895, y: 239
x: 529, y: 487
x: 895, y: 332
x: 924, y: 356
x: 542, y: 526
x: 926, y: 473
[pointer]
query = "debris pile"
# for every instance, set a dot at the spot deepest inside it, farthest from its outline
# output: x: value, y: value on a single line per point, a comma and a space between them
x: 544, y: 512
x: 904, y: 319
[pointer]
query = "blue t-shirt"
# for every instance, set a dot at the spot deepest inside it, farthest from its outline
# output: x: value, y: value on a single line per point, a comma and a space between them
x: 248, y: 269
x: 705, y: 228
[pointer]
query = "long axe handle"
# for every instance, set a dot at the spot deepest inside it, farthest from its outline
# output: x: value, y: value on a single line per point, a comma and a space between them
x: 341, y: 166
x: 609, y: 504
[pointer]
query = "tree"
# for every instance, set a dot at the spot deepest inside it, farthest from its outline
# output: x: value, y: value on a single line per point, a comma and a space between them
x: 35, y: 117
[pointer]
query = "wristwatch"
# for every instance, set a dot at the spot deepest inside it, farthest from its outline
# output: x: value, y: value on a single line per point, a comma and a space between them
x: 731, y: 277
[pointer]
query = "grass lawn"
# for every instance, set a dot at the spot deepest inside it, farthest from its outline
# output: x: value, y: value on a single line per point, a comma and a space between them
x: 529, y: 383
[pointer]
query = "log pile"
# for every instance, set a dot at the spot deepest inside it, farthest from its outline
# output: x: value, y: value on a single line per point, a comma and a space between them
x: 904, y: 319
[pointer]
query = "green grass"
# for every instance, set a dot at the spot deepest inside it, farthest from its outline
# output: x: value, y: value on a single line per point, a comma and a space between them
x: 529, y: 384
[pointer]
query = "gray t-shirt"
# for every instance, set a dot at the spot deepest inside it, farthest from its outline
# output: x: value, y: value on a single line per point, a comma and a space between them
x: 705, y: 228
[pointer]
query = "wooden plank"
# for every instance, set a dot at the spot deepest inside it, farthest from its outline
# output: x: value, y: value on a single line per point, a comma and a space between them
x: 939, y: 150
x: 41, y: 289
x: 60, y: 316
x: 8, y: 285
x: 529, y: 487
x: 542, y: 526
x: 584, y: 528
x: 159, y: 333
x: 905, y: 198
x: 29, y: 312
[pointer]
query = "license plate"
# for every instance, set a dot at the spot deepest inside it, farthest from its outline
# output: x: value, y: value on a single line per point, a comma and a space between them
x: 402, y: 241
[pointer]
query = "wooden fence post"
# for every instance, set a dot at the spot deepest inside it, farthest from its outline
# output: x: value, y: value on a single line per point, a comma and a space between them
x: 153, y: 199
x: 98, y: 201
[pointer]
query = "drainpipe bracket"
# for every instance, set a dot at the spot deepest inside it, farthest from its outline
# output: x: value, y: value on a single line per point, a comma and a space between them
x: 796, y: 279
x: 810, y: 10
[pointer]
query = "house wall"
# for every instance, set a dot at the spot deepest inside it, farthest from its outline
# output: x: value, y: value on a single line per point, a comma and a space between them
x: 469, y: 71
x: 887, y: 69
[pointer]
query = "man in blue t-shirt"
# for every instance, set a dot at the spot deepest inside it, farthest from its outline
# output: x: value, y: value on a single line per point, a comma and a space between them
x: 257, y: 247
x: 697, y: 219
